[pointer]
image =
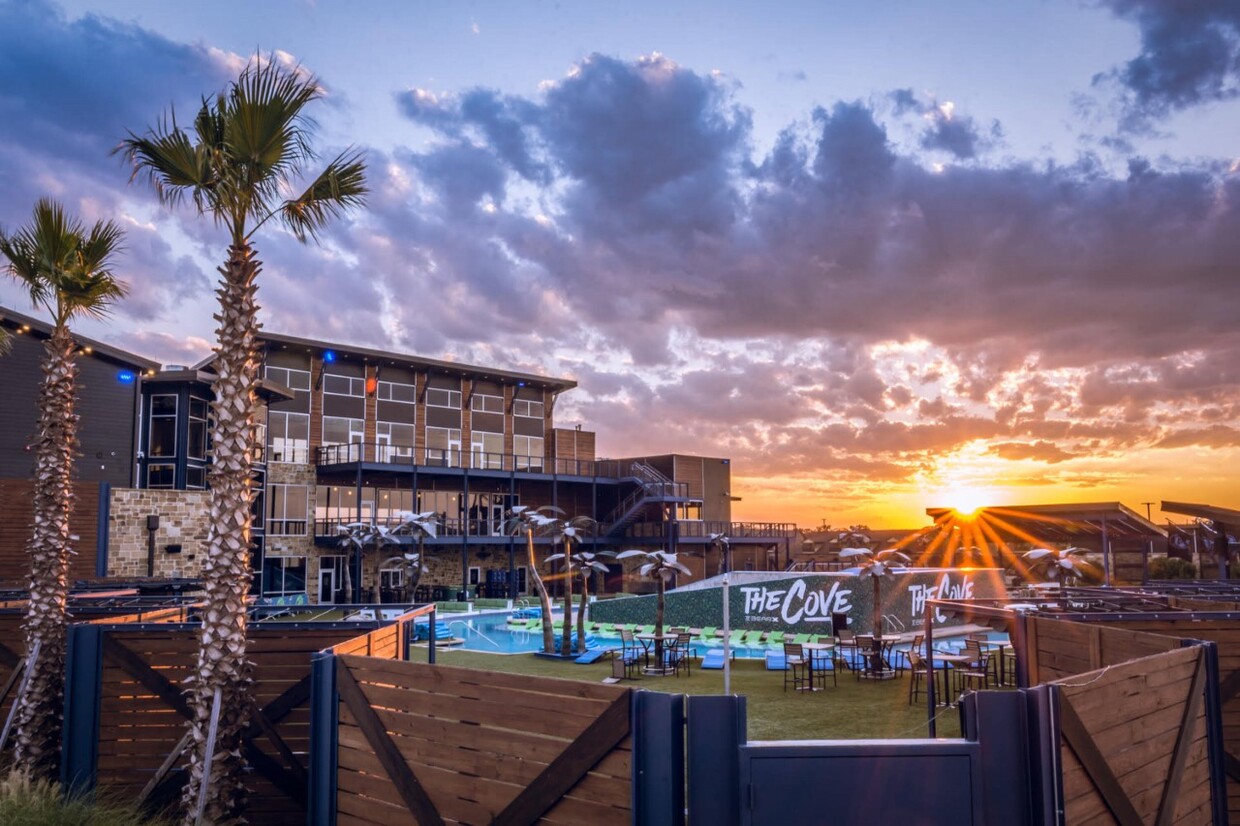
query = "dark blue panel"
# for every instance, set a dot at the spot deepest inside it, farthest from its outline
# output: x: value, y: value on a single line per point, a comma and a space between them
x: 324, y: 723
x: 658, y: 759
x: 715, y: 733
x: 101, y: 529
x: 80, y: 737
x: 996, y: 720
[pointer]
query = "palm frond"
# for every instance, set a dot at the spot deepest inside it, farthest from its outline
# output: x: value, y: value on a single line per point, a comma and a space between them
x: 339, y: 187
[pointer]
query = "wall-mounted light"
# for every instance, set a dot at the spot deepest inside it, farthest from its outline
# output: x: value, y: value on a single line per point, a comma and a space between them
x: 125, y: 377
x: 329, y: 356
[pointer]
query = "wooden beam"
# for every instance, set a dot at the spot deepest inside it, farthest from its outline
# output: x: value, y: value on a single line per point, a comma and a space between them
x: 403, y: 779
x: 294, y: 765
x: 283, y: 780
x: 158, y: 778
x: 1179, y: 755
x: 282, y: 706
x: 559, y: 777
x: 156, y: 683
x: 1230, y: 687
x: 8, y: 657
x: 1095, y: 764
x: 1232, y: 765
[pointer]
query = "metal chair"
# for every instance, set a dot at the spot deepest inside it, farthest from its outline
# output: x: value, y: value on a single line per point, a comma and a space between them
x: 797, y: 668
x: 678, y: 654
x: 918, y: 671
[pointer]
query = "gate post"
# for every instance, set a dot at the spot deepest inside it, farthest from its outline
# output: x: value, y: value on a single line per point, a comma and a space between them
x: 658, y: 726
x: 716, y: 731
x: 324, y: 743
x: 80, y: 734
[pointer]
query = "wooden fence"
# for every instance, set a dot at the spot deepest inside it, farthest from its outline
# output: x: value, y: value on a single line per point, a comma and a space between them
x: 427, y: 744
x: 127, y: 711
x: 1135, y: 741
x: 1058, y: 648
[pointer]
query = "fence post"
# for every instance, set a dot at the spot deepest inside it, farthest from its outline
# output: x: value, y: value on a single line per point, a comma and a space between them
x: 324, y: 744
x: 1214, y: 732
x: 716, y: 730
x: 80, y: 734
x: 430, y: 654
x: 658, y: 726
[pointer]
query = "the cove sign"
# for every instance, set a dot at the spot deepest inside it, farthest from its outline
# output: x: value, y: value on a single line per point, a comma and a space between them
x: 942, y: 588
x: 795, y: 604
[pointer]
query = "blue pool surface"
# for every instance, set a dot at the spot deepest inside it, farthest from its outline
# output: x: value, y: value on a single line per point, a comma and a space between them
x: 489, y: 633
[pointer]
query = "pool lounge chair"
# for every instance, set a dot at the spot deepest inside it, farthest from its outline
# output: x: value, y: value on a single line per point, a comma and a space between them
x: 775, y: 638
x: 800, y: 639
x: 709, y: 633
x: 753, y: 638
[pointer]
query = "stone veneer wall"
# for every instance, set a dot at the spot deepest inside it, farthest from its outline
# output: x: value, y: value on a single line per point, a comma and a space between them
x: 183, y: 520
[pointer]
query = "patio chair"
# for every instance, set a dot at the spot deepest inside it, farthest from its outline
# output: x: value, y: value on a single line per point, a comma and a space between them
x: 631, y: 651
x: 797, y: 668
x: 918, y: 671
x: 976, y: 676
x: 846, y: 644
x: 823, y: 663
x: 678, y: 654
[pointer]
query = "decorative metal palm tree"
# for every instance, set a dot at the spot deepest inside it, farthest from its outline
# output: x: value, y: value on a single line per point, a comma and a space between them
x: 523, y: 520
x: 661, y: 566
x: 585, y: 564
x: 243, y: 152
x: 356, y: 537
x: 67, y: 270
x: 565, y: 532
x: 1059, y: 565
x: 875, y: 565
x: 720, y: 542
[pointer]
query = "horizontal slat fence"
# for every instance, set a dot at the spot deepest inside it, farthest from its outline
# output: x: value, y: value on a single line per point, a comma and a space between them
x: 1135, y: 741
x: 142, y: 712
x: 1059, y: 648
x: 420, y: 743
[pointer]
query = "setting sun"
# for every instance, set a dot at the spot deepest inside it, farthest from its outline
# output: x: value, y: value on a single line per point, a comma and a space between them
x: 965, y: 501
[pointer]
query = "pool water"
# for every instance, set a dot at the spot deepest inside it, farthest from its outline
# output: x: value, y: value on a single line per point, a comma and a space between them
x: 490, y: 633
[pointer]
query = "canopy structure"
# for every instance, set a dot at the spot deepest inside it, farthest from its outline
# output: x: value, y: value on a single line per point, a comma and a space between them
x: 1094, y: 525
x: 1215, y: 514
x: 1223, y: 523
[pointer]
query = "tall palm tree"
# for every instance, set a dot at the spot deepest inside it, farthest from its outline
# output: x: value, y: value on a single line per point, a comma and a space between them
x: 244, y: 151
x: 525, y: 520
x: 876, y: 566
x: 67, y: 270
x: 565, y: 532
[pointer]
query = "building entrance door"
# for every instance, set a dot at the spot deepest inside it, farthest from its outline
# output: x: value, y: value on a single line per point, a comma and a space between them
x: 327, y: 586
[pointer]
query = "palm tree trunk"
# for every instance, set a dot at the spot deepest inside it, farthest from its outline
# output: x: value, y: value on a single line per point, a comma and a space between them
x: 40, y: 708
x: 566, y: 640
x: 877, y: 619
x: 222, y: 665
x: 544, y: 598
x: 581, y: 611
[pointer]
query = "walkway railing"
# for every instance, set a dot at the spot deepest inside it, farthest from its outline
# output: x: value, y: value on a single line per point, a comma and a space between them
x: 455, y: 457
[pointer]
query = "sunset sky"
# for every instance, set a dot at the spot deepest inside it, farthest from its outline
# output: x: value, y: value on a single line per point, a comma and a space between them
x: 883, y: 256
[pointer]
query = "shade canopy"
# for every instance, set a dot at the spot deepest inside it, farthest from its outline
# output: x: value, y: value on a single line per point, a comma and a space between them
x: 1075, y: 524
x: 1225, y: 515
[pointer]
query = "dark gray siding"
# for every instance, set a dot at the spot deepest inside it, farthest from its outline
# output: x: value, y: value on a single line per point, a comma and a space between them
x: 106, y: 410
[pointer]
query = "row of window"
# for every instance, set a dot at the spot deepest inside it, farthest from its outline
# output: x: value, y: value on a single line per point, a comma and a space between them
x: 391, y: 391
x: 288, y: 507
x: 286, y: 576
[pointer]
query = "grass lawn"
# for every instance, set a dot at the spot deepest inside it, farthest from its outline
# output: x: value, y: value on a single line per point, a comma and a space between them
x: 857, y: 709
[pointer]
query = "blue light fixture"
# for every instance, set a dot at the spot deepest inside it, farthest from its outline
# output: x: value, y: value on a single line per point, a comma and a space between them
x: 329, y: 356
x: 125, y: 377
x: 520, y: 384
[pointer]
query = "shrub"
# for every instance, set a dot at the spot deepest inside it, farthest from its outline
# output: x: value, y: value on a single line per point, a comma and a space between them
x: 1169, y: 567
x: 37, y: 803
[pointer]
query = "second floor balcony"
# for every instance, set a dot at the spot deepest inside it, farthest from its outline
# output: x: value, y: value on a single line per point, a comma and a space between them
x: 456, y: 458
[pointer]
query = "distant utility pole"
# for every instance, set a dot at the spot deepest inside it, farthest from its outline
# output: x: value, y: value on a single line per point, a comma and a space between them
x: 1147, y: 510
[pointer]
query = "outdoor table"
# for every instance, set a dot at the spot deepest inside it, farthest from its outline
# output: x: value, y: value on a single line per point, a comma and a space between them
x: 814, y: 648
x: 660, y: 668
x: 953, y: 660
x: 1002, y: 650
x: 880, y: 662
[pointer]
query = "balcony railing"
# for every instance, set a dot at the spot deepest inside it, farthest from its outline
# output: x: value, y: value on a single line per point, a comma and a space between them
x: 434, y: 457
x: 446, y: 526
x: 702, y: 529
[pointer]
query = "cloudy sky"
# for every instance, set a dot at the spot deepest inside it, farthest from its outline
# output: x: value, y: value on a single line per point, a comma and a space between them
x: 884, y: 256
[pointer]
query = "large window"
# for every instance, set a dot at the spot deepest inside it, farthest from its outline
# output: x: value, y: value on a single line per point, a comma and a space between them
x: 161, y: 476
x: 290, y: 436
x: 437, y: 397
x: 197, y: 446
x: 443, y: 446
x: 344, y: 386
x: 391, y: 391
x: 284, y: 575
x: 287, y: 506
x: 162, y: 436
x: 482, y: 403
x: 338, y: 430
x: 486, y: 450
x: 290, y: 378
x: 394, y: 440
x: 527, y: 409
x: 528, y: 452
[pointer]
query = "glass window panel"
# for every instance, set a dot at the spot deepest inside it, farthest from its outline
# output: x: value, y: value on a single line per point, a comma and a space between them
x: 161, y: 476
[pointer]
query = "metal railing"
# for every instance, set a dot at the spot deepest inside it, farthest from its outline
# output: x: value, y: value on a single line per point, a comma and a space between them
x: 434, y: 457
x: 703, y: 529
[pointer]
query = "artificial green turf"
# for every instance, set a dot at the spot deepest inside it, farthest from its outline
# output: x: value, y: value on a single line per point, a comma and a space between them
x: 855, y: 710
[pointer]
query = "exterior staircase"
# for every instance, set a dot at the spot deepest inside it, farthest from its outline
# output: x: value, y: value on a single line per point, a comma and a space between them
x: 652, y: 487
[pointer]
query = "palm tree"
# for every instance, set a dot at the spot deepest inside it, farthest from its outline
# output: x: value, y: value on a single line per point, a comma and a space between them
x: 721, y: 542
x: 68, y: 271
x: 660, y: 566
x: 876, y: 565
x: 356, y: 537
x: 525, y: 520
x: 564, y: 531
x: 246, y: 147
x: 584, y: 564
x: 1059, y: 565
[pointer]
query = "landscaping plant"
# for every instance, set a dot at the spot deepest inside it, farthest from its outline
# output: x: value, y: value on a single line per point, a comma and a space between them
x: 67, y: 270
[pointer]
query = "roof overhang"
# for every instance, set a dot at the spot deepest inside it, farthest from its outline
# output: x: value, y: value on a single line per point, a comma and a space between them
x: 1216, y: 514
x: 1067, y: 523
x: 24, y: 323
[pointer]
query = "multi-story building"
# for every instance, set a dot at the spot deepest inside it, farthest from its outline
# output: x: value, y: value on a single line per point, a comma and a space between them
x: 359, y: 435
